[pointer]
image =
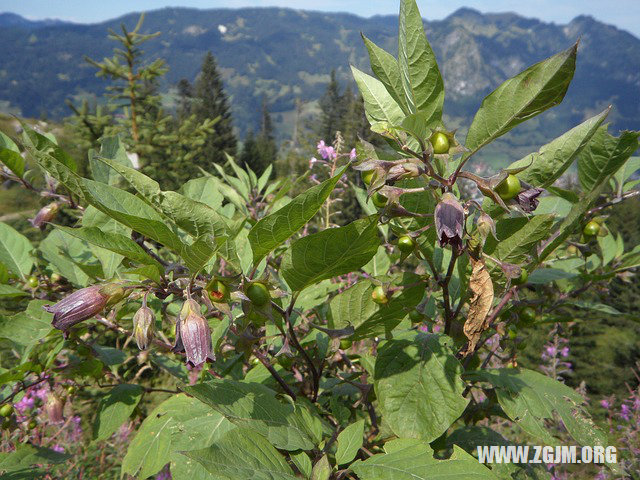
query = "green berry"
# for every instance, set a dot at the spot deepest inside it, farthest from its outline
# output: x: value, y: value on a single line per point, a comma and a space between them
x: 379, y: 200
x: 6, y: 410
x: 379, y: 296
x: 591, y: 229
x: 509, y: 187
x: 522, y: 279
x: 528, y: 315
x: 218, y: 291
x: 345, y: 344
x: 415, y: 316
x: 258, y: 293
x: 440, y: 143
x: 406, y: 244
x: 32, y: 282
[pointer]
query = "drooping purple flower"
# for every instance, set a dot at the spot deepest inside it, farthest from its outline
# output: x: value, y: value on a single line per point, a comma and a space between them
x: 53, y: 409
x: 528, y: 199
x: 45, y: 215
x: 83, y: 304
x: 193, y: 335
x: 449, y: 220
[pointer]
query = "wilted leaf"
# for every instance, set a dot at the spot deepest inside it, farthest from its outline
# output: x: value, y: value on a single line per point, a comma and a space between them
x: 479, y: 305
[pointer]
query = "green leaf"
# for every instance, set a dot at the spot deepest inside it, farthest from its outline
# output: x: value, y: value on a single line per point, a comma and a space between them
x: 594, y: 307
x: 113, y: 242
x: 604, y: 156
x: 349, y: 442
x: 149, y: 451
x: 330, y: 253
x: 12, y: 159
x: 548, y: 275
x: 322, y: 469
x: 64, y: 252
x: 9, y: 291
x: 276, y: 227
x: 418, y: 385
x: 255, y: 406
x: 112, y: 149
x: 529, y: 93
x: 553, y: 159
x: 243, y: 453
x: 531, y: 400
x: 15, y: 251
x: 417, y: 463
x: 115, y: 408
x: 385, y: 67
x: 145, y: 186
x: 131, y: 211
x: 28, y: 327
x: 46, y: 144
x: 421, y: 79
x: 26, y: 456
x: 518, y: 237
x: 302, y: 462
x: 353, y: 306
x: 204, y: 190
x: 378, y: 103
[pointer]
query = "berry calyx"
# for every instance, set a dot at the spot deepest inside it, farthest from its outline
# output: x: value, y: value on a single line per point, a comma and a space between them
x: 367, y: 176
x: 509, y: 187
x: 379, y: 296
x: 406, y: 244
x: 440, y: 143
x: 258, y: 293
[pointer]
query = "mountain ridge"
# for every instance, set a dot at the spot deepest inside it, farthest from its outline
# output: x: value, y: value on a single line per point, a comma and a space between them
x: 284, y: 54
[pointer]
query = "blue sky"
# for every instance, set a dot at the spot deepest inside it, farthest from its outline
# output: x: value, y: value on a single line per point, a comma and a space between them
x: 624, y: 14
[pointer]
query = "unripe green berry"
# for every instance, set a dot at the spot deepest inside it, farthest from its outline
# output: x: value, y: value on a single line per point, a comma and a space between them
x: 440, y: 143
x: 406, y: 244
x: 591, y: 229
x: 367, y: 176
x: 379, y: 296
x: 6, y: 410
x: 509, y: 187
x: 379, y: 200
x: 258, y: 293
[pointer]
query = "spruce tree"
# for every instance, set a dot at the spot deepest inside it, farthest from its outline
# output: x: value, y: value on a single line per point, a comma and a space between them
x: 210, y: 102
x: 260, y: 151
x: 185, y: 99
x: 332, y: 111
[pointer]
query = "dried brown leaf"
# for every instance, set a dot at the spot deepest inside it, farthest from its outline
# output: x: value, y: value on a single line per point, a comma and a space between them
x: 480, y: 303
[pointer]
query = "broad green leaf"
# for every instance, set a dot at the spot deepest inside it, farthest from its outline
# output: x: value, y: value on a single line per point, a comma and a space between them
x: 204, y: 190
x: 6, y: 142
x: 276, y: 227
x: 331, y: 252
x: 9, y: 291
x: 243, y: 453
x: 349, y: 442
x: 553, y: 159
x: 111, y: 148
x: 630, y: 167
x: 353, y: 306
x: 322, y: 469
x: 64, y: 252
x: 255, y: 406
x: 532, y: 399
x: 302, y: 462
x: 379, y: 104
x: 28, y: 327
x: 529, y: 93
x: 15, y: 251
x: 608, y: 248
x: 46, y: 144
x: 385, y: 67
x: 604, y: 156
x: 418, y: 386
x: 594, y: 307
x: 421, y: 79
x: 518, y: 237
x: 145, y: 186
x: 131, y: 211
x: 542, y: 276
x: 149, y: 451
x: 417, y: 463
x: 27, y: 456
x: 115, y: 408
x: 113, y: 242
x: 12, y: 160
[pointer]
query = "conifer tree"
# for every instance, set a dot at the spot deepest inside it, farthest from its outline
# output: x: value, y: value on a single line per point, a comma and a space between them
x: 185, y: 99
x: 332, y: 110
x: 210, y: 102
x: 260, y: 151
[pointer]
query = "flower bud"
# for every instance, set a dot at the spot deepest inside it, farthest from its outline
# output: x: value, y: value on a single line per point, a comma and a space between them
x: 449, y: 220
x: 528, y: 199
x: 486, y: 226
x: 193, y: 335
x: 80, y: 305
x: 45, y: 215
x: 143, y: 322
x: 53, y: 408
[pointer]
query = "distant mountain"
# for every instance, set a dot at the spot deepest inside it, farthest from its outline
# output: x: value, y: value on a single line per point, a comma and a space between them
x: 284, y: 54
x: 8, y: 19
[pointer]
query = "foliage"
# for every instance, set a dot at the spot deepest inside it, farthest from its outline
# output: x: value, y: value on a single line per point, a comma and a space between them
x: 285, y: 345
